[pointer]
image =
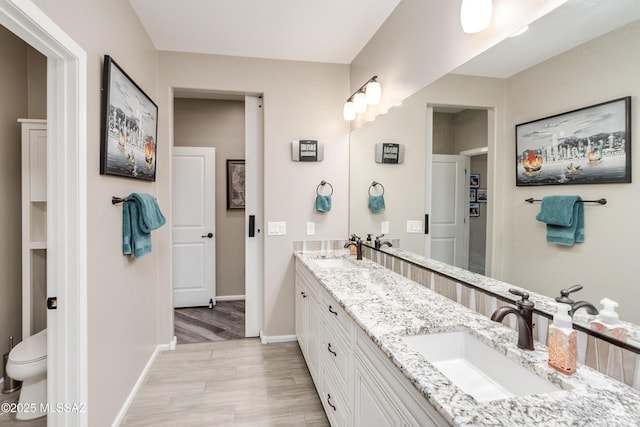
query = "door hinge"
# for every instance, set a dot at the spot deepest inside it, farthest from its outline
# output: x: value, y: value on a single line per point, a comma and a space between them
x: 52, y: 303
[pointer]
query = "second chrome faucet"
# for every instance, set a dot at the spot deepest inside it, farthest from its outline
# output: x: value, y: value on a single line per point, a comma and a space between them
x: 524, y: 316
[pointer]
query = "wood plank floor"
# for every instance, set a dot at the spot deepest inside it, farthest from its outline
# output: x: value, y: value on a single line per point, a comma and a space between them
x: 201, y: 324
x: 228, y: 383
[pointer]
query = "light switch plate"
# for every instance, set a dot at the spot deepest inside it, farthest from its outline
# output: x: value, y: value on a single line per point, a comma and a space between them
x: 384, y: 227
x: 414, y: 226
x: 277, y: 228
x: 311, y: 228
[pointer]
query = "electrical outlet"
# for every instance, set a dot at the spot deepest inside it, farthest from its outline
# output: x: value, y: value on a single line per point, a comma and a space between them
x: 414, y: 226
x: 277, y: 228
x: 311, y: 228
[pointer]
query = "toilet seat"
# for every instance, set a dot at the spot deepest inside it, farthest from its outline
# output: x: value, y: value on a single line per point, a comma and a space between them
x: 32, y: 349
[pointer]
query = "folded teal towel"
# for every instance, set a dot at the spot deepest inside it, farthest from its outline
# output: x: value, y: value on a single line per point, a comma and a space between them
x: 376, y: 203
x: 564, y: 216
x: 140, y: 215
x: 323, y: 203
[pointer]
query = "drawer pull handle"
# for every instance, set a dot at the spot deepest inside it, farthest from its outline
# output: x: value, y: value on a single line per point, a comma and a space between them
x: 329, y: 402
x: 331, y: 351
x: 332, y: 311
x: 303, y: 294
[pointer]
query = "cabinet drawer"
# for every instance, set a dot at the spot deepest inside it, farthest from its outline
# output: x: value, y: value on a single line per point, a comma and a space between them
x: 337, y: 317
x: 303, y: 273
x: 337, y: 354
x: 334, y: 402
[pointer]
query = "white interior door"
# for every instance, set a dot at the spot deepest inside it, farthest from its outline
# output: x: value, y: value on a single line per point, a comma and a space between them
x: 449, y: 209
x: 194, y: 243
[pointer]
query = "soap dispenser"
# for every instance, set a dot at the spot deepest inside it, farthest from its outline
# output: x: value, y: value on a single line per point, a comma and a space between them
x: 608, y: 321
x: 563, y: 341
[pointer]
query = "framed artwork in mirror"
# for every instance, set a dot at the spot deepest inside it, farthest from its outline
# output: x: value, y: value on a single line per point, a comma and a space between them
x: 481, y: 195
x: 474, y: 209
x: 235, y: 184
x: 590, y: 145
x: 472, y: 194
x: 474, y: 180
x: 129, y: 125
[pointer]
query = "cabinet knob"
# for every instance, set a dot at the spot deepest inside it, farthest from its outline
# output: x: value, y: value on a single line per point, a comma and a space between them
x: 331, y: 351
x: 303, y: 294
x: 329, y: 402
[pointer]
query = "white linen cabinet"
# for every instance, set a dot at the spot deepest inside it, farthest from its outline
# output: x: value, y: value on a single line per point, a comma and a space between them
x: 34, y: 225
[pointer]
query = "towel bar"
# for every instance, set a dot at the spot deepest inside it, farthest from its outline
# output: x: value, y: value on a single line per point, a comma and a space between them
x: 115, y: 200
x: 374, y: 184
x: 322, y: 184
x: 599, y: 201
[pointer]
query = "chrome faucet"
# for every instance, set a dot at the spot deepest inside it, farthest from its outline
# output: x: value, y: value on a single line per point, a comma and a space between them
x: 524, y: 315
x: 357, y: 242
x: 378, y: 244
x: 575, y: 306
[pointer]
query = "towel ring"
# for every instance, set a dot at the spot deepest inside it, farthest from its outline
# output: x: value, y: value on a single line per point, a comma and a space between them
x: 322, y: 184
x: 374, y: 184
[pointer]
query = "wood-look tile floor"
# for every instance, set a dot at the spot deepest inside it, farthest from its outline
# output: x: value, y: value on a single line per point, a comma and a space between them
x: 228, y: 383
x: 8, y: 419
x: 201, y: 324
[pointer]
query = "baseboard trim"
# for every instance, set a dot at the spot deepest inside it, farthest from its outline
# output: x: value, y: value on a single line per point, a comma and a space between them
x: 231, y: 298
x: 136, y: 387
x: 276, y: 338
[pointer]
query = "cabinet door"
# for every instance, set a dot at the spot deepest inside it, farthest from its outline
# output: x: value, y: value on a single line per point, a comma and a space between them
x: 314, y: 325
x: 371, y: 407
x: 301, y: 316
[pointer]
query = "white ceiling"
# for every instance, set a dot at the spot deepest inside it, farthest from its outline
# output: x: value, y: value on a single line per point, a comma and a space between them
x: 332, y: 31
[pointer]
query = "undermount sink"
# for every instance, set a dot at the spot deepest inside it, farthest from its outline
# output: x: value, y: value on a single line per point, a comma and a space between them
x: 334, y: 262
x: 476, y: 368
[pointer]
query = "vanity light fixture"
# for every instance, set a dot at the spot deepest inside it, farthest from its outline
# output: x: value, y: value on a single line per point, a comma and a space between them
x: 475, y: 15
x: 369, y: 93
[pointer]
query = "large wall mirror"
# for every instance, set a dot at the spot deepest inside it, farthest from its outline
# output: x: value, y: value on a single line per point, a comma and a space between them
x: 582, y: 53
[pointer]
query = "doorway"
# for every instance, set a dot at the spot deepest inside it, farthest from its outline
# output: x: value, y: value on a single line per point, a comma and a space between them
x: 227, y: 123
x: 458, y: 136
x: 66, y: 206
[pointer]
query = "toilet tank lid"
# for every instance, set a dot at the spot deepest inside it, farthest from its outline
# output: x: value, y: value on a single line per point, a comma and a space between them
x: 31, y: 349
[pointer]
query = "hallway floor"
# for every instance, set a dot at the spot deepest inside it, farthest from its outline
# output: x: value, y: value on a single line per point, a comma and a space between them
x: 201, y: 324
x: 228, y: 383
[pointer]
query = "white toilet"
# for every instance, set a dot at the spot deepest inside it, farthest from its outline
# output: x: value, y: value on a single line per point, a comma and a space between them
x: 28, y: 363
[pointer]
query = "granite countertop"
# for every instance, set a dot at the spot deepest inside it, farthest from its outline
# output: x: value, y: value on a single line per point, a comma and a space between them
x: 388, y: 306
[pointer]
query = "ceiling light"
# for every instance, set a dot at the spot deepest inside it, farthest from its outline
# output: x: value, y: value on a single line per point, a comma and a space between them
x: 369, y: 93
x: 475, y: 15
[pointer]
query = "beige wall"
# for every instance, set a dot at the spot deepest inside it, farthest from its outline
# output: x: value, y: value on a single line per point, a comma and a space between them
x: 219, y: 124
x: 13, y: 105
x: 604, y: 264
x: 301, y: 101
x: 122, y: 291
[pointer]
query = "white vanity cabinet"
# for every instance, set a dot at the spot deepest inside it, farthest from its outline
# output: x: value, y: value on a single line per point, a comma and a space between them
x: 308, y: 319
x: 381, y: 387
x: 357, y: 383
x: 336, y: 361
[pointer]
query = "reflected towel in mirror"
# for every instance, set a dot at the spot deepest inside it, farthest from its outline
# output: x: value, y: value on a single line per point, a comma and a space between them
x: 564, y: 216
x: 376, y: 203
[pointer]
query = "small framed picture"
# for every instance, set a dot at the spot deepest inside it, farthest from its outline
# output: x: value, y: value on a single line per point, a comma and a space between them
x: 472, y: 194
x: 481, y: 195
x: 235, y: 184
x: 474, y: 180
x: 474, y: 209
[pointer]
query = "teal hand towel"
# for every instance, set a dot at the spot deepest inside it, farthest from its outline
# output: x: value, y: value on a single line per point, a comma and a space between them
x: 140, y: 215
x: 323, y: 203
x: 564, y: 216
x: 376, y: 203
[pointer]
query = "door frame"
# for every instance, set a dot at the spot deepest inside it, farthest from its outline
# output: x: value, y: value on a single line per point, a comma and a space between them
x: 66, y: 204
x: 491, y: 264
